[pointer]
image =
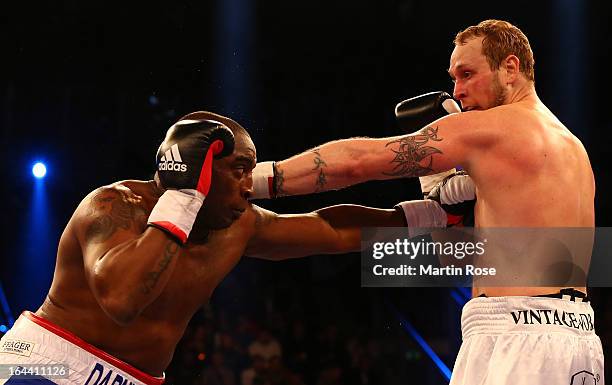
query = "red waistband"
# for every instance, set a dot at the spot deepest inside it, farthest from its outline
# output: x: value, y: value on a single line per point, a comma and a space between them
x: 68, y: 336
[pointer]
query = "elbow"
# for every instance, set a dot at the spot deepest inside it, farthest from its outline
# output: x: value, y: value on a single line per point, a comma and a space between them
x: 119, y: 310
x: 115, y: 303
x: 355, y: 172
x: 116, y: 300
x: 347, y: 244
x: 357, y: 169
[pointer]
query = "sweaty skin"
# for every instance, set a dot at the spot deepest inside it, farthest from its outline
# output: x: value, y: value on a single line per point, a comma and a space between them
x: 176, y: 281
x: 528, y: 168
x: 536, y: 173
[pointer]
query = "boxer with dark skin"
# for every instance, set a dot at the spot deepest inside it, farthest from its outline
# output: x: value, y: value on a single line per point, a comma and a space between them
x: 131, y: 289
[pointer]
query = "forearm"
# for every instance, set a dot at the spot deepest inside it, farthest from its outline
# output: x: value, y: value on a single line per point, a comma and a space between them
x: 130, y: 276
x: 343, y: 163
x: 330, y: 230
x: 348, y: 217
x: 335, y: 229
x: 348, y: 220
x: 331, y: 166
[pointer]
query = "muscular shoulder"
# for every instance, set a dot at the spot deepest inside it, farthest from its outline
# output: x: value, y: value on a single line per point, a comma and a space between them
x: 107, y: 209
x: 502, y: 124
x: 256, y: 217
x: 465, y: 136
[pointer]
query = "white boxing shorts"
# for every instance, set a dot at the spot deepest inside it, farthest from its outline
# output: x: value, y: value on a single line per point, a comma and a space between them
x: 528, y: 340
x: 37, y: 352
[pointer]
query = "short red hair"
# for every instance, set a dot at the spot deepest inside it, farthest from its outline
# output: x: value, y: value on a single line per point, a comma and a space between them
x: 500, y: 40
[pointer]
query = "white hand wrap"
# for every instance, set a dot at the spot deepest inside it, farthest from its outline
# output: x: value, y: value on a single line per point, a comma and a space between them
x: 263, y: 179
x: 423, y: 214
x: 176, y: 211
x: 428, y: 182
x: 457, y: 189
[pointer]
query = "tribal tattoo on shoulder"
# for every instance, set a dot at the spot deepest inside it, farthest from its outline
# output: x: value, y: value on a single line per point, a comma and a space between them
x: 111, y: 212
x: 319, y: 163
x: 414, y: 153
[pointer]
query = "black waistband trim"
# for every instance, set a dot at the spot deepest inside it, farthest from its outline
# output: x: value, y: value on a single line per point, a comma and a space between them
x: 571, y: 292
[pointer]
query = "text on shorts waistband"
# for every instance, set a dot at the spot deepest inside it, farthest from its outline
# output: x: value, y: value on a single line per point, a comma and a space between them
x: 114, y: 361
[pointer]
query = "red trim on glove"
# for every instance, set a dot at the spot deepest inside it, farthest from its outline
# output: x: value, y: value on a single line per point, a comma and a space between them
x: 206, y: 173
x: 453, y: 220
x: 172, y: 229
x: 271, y: 189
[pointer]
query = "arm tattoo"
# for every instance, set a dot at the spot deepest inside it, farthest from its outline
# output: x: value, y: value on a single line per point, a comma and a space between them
x: 279, y: 179
x: 319, y: 163
x: 152, y: 277
x: 112, y: 212
x: 410, y: 150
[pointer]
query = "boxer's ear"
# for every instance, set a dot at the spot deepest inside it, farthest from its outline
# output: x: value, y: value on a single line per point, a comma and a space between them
x: 157, y: 181
x: 512, y: 66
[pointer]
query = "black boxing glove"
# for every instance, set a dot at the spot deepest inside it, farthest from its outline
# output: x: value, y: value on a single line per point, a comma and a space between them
x: 456, y: 194
x: 415, y: 113
x: 184, y: 166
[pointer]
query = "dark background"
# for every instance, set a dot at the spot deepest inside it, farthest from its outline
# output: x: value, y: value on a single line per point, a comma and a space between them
x: 90, y: 88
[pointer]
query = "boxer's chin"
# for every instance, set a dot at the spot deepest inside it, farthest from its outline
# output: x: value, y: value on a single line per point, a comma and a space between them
x: 215, y: 218
x: 202, y: 229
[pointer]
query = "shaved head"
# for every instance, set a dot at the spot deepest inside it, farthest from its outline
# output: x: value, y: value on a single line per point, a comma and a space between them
x: 206, y: 115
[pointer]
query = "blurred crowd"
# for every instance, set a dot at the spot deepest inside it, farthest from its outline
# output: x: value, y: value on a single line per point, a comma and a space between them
x: 215, y: 351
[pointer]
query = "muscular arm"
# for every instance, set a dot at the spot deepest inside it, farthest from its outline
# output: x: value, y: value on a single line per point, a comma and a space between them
x: 126, y: 264
x: 335, y: 229
x: 444, y: 144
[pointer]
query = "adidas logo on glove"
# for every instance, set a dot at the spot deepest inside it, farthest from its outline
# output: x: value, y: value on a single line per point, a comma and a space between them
x: 171, y: 161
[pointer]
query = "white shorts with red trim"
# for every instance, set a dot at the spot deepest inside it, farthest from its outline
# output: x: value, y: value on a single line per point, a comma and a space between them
x: 36, y: 347
x: 528, y: 340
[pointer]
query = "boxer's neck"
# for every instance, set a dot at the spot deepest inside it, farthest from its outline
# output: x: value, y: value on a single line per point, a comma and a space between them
x: 525, y: 92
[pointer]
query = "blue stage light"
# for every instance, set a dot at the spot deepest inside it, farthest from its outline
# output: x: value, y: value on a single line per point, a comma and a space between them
x: 446, y: 372
x: 3, y: 328
x: 39, y: 170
